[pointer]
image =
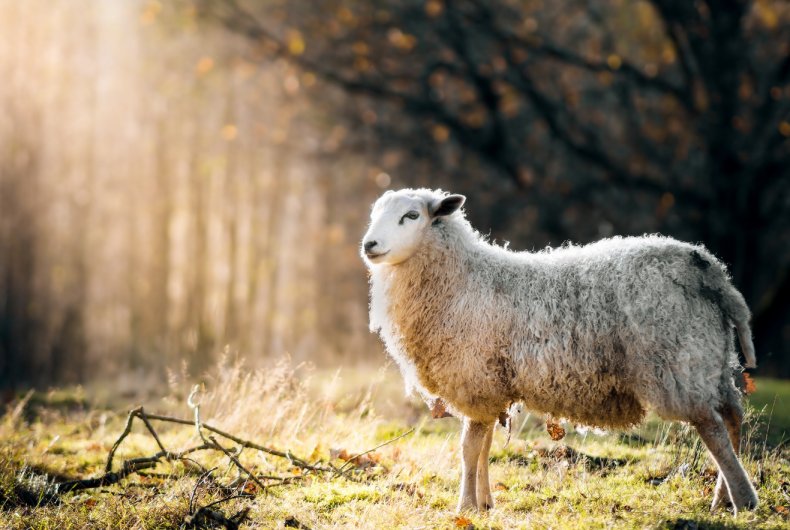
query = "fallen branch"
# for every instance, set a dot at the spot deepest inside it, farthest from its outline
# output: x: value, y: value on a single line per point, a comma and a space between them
x: 129, y: 467
x: 51, y: 491
x: 133, y: 465
x: 293, y: 460
x: 204, y: 514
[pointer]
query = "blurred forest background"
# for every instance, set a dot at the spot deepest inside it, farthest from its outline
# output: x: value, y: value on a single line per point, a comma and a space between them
x: 182, y: 178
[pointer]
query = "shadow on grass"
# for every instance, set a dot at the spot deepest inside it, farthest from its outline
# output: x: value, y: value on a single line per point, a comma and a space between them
x: 560, y: 453
x: 33, y: 486
x: 695, y: 524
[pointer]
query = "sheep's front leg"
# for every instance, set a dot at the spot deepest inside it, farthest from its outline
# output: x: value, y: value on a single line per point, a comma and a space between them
x: 471, y: 443
x: 484, y: 499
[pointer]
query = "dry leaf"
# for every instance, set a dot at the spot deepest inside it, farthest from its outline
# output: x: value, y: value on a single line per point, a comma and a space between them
x: 316, y: 454
x: 366, y: 461
x: 342, y: 454
x: 250, y: 488
x: 463, y: 522
x: 782, y: 510
x: 439, y: 409
x: 499, y: 486
x: 749, y: 385
x: 555, y: 430
x: 362, y: 462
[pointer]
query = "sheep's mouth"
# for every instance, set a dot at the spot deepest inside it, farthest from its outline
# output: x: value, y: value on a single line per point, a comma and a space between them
x: 373, y: 255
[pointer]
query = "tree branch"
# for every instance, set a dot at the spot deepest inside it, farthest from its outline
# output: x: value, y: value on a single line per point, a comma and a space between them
x: 626, y: 69
x: 542, y: 45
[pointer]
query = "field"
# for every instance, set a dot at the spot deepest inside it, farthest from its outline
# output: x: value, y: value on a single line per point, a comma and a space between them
x: 657, y: 476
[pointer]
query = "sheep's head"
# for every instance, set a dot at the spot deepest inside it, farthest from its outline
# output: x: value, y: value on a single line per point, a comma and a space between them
x: 399, y: 222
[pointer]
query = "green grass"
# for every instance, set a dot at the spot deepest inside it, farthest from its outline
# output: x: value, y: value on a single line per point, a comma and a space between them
x: 772, y: 398
x: 657, y: 476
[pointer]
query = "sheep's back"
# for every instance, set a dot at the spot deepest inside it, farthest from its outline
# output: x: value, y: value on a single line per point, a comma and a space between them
x: 595, y: 323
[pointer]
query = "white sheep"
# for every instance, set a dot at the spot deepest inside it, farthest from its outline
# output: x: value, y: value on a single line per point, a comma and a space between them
x: 597, y: 334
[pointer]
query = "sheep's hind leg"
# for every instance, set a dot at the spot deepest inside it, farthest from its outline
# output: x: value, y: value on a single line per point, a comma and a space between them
x: 732, y: 414
x: 484, y: 499
x: 711, y: 429
x: 472, y: 441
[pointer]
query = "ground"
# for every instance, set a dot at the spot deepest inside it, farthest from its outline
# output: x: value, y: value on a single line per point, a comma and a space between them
x: 656, y: 476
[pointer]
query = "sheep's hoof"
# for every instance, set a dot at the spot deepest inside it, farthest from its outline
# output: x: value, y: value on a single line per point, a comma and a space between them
x: 748, y: 504
x: 484, y: 501
x: 721, y: 499
x: 718, y: 504
x: 744, y: 498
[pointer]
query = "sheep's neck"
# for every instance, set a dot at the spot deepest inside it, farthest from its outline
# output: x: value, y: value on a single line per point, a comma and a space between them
x: 420, y: 291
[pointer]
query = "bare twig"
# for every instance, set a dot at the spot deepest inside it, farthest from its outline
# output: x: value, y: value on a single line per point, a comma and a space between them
x: 195, y: 517
x: 238, y: 464
x: 282, y: 480
x: 226, y: 499
x: 351, y: 460
x: 200, y: 479
x: 124, y: 434
x: 142, y: 416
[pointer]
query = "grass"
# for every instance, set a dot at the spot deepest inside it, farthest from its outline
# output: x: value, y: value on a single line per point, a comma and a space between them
x: 657, y: 476
x: 772, y: 398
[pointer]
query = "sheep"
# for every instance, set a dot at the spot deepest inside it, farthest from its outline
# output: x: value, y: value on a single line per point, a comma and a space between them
x: 597, y: 334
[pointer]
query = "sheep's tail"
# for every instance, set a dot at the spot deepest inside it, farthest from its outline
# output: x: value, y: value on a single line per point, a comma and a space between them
x: 747, y: 346
x: 734, y: 306
x: 729, y: 299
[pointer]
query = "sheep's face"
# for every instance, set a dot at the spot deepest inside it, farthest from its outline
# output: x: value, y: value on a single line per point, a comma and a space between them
x: 399, y: 221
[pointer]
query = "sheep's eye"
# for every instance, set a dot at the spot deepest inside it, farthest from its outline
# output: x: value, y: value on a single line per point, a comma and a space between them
x: 410, y: 215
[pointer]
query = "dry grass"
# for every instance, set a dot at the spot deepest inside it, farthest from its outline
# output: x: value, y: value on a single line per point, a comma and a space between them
x: 657, y: 477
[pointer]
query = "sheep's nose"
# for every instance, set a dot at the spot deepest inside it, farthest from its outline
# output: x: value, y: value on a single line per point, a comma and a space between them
x: 369, y: 245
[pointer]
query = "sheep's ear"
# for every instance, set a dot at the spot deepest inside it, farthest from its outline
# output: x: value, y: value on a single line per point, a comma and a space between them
x: 447, y: 205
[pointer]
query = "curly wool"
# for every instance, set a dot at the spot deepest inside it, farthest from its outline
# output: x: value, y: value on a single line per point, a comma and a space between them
x: 596, y: 334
